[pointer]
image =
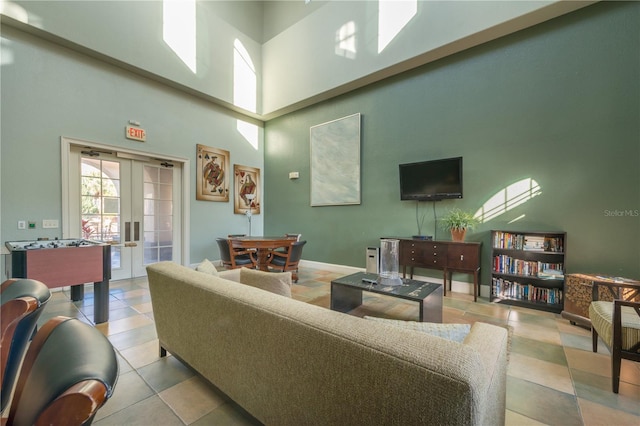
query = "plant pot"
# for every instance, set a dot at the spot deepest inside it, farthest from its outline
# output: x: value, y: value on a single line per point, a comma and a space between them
x: 458, y: 235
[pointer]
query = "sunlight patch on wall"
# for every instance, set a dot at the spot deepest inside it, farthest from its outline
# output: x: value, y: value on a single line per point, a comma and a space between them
x: 346, y: 40
x: 508, y: 198
x: 14, y: 11
x: 393, y: 16
x: 6, y: 57
x: 249, y: 132
x: 179, y: 29
x: 244, y: 78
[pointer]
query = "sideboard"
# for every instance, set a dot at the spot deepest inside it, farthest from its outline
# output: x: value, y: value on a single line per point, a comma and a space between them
x: 446, y: 256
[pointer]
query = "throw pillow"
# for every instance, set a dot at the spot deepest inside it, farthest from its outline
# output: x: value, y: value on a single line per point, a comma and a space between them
x: 275, y: 282
x: 455, y: 332
x: 207, y: 267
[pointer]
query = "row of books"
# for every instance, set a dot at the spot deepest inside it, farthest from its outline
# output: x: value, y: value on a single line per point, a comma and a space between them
x: 508, y: 240
x: 528, y: 292
x: 504, y: 264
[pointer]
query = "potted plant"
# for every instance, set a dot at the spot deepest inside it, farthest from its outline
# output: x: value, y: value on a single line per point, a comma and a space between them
x: 458, y: 222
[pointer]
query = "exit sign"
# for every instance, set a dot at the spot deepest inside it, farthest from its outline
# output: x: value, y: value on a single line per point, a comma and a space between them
x: 136, y: 133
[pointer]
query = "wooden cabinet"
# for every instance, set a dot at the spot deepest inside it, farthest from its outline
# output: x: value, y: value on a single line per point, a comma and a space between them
x: 528, y: 269
x: 446, y: 256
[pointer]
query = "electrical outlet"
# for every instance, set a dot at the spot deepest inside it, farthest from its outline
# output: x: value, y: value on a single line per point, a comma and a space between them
x: 22, y: 224
x: 50, y: 223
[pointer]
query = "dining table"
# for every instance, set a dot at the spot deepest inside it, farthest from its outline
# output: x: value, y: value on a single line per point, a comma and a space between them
x: 263, y: 245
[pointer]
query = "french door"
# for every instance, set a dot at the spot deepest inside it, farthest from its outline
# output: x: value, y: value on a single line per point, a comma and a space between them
x: 127, y: 201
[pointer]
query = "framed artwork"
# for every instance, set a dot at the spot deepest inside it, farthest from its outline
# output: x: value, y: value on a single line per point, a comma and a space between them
x: 335, y: 162
x: 246, y: 184
x: 212, y: 174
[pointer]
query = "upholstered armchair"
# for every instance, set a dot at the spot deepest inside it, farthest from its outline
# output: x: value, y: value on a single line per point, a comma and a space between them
x: 69, y: 372
x: 289, y: 260
x: 618, y: 324
x: 22, y: 301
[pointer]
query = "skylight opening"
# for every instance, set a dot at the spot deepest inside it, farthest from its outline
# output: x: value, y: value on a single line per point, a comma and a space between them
x: 245, y: 89
x: 393, y: 16
x: 179, y: 29
x: 508, y: 198
x: 244, y: 78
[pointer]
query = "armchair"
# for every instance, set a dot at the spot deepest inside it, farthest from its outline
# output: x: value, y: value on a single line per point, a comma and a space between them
x: 22, y: 301
x: 241, y: 257
x: 288, y: 261
x: 618, y: 324
x: 69, y: 372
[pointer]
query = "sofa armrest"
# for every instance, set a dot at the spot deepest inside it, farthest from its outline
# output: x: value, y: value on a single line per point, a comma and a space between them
x: 230, y: 274
x: 491, y: 344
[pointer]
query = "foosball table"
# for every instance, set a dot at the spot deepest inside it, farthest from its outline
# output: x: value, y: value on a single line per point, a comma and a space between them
x: 68, y: 262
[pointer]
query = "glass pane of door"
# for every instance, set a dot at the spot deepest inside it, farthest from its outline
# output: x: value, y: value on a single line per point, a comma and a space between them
x: 158, y: 214
x: 100, y: 203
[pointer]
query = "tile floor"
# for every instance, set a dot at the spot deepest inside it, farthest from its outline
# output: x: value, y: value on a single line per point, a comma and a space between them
x: 553, y: 376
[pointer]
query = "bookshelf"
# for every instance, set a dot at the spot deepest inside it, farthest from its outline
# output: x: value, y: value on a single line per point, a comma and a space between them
x: 528, y: 269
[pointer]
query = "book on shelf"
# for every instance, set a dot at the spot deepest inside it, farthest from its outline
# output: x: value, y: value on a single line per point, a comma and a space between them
x: 526, y: 292
x: 534, y: 242
x: 513, y: 241
x: 504, y: 264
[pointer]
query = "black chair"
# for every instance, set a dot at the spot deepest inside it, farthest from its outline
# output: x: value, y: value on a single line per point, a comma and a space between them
x: 22, y: 302
x: 69, y: 372
x: 288, y: 261
x: 239, y: 259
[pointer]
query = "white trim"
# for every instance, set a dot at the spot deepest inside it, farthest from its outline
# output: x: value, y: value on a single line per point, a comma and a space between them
x: 65, y: 148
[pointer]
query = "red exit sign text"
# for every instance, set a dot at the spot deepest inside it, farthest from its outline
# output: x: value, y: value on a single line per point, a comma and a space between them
x: 136, y: 133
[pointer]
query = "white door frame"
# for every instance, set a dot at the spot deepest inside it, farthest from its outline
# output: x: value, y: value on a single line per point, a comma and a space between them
x: 65, y: 149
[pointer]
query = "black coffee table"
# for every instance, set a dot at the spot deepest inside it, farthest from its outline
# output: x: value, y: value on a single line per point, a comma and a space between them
x: 346, y: 294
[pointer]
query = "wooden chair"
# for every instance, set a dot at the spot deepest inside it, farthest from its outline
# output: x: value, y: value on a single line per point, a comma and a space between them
x: 69, y: 372
x: 22, y: 302
x: 618, y: 324
x: 288, y: 261
x: 241, y: 256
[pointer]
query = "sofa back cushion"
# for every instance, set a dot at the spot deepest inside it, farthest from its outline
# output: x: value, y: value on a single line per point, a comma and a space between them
x: 275, y: 282
x: 207, y: 267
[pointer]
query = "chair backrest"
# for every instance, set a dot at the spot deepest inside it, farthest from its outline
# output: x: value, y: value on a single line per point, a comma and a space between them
x: 69, y: 372
x: 225, y: 253
x: 296, y: 236
x: 22, y: 301
x: 295, y: 252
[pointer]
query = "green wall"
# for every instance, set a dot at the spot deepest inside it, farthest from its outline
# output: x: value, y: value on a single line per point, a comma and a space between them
x: 558, y: 103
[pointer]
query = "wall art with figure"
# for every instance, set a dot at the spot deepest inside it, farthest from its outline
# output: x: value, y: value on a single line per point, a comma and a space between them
x: 246, y: 189
x: 212, y: 174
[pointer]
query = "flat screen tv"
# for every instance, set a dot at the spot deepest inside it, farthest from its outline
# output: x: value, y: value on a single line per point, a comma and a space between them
x: 431, y: 180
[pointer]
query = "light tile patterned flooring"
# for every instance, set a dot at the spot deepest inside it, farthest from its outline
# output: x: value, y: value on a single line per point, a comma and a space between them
x: 553, y: 376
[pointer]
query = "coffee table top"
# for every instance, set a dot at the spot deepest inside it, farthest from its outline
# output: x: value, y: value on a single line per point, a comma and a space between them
x: 410, y: 289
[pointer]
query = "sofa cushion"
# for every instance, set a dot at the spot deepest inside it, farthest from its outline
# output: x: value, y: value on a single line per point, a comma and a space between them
x: 275, y: 282
x: 454, y: 332
x: 207, y: 267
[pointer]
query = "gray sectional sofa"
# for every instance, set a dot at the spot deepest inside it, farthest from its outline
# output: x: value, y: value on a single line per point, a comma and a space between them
x: 290, y: 363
